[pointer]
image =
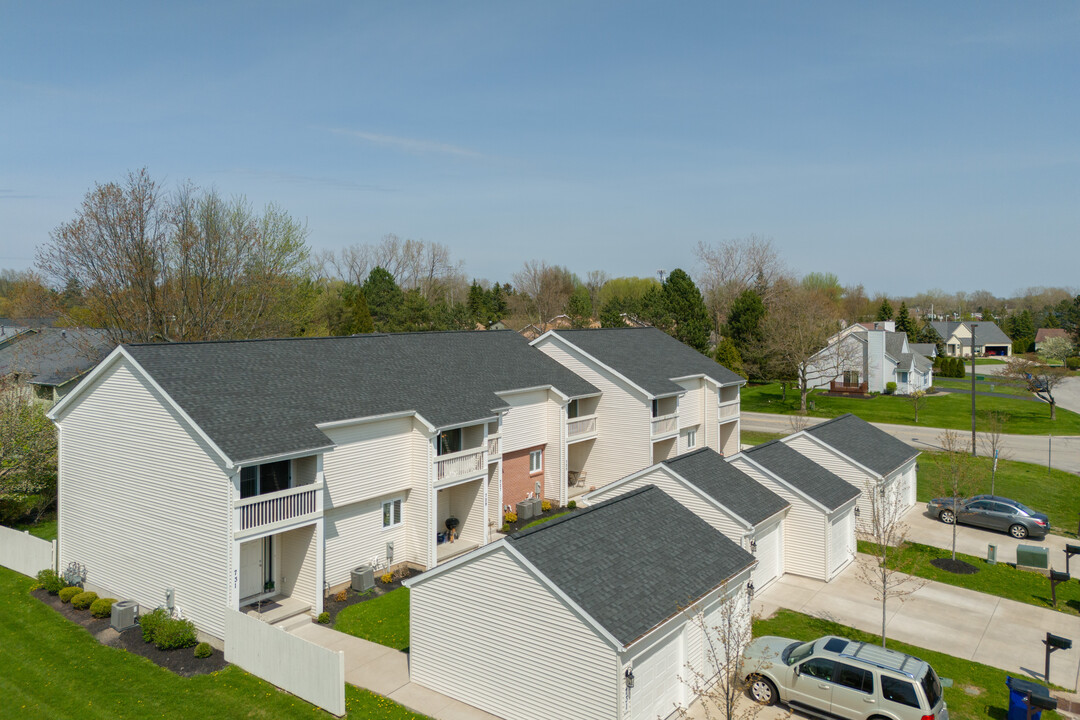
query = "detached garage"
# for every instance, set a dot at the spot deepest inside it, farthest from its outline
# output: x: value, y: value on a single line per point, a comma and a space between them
x: 610, y: 602
x: 819, y: 530
x: 719, y: 493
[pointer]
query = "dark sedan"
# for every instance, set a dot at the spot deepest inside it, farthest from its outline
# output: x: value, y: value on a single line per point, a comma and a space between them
x: 994, y: 513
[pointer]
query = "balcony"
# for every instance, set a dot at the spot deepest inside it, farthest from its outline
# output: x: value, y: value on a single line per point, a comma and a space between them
x: 278, y: 509
x: 729, y: 410
x: 581, y: 428
x: 460, y: 465
x: 493, y: 448
x: 665, y: 425
x: 841, y: 387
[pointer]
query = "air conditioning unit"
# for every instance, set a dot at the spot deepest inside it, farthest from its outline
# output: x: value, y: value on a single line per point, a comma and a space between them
x: 363, y: 578
x: 124, y: 615
x: 524, y: 510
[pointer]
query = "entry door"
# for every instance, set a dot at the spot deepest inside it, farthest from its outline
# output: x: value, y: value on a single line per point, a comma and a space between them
x: 254, y: 566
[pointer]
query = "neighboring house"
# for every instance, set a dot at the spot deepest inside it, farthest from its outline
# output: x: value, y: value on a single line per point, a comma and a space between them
x: 865, y: 358
x: 613, y: 604
x: 51, y: 360
x: 1044, y: 334
x: 819, y: 530
x: 927, y: 350
x: 232, y: 472
x: 731, y: 501
x: 659, y: 398
x: 870, y: 459
x: 989, y: 338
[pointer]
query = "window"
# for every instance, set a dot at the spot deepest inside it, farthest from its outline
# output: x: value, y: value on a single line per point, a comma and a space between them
x: 266, y: 478
x: 855, y: 678
x: 572, y: 409
x: 536, y: 461
x: 901, y: 377
x: 899, y: 691
x: 932, y: 687
x: 820, y: 668
x: 391, y: 513
x: 851, y: 377
x: 691, y: 438
x: 449, y: 441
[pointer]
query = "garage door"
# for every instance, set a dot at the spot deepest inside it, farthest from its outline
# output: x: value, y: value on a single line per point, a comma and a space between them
x: 768, y: 556
x: 910, y: 487
x: 841, y: 539
x: 657, y: 687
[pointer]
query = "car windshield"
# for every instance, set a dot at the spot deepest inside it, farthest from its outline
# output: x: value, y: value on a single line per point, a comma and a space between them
x: 797, y: 652
x: 931, y: 687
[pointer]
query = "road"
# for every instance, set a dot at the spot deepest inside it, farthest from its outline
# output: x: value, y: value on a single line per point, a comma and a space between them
x: 1064, y: 452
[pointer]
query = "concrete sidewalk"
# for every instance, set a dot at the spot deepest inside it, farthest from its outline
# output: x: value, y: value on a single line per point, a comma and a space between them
x: 927, y: 530
x: 963, y: 623
x: 385, y: 671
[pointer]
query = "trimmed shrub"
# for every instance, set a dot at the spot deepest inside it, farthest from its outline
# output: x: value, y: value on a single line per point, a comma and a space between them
x: 203, y: 650
x: 150, y: 621
x: 545, y: 505
x: 324, y: 618
x: 69, y: 592
x: 961, y: 368
x: 52, y: 582
x: 102, y: 607
x: 572, y: 504
x: 172, y: 633
x: 342, y: 595
x: 1073, y: 363
x: 83, y: 600
x: 510, y: 517
x: 890, y: 388
x: 387, y: 578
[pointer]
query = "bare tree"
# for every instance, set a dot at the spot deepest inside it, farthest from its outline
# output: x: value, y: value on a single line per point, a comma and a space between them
x: 884, y: 532
x: 1038, y: 378
x: 732, y: 266
x: 959, y: 479
x: 414, y: 265
x: 798, y: 423
x: 544, y: 290
x: 992, y: 439
x: 594, y: 283
x: 917, y: 398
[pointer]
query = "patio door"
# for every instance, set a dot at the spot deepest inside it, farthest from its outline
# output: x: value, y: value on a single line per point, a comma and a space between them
x: 256, y: 566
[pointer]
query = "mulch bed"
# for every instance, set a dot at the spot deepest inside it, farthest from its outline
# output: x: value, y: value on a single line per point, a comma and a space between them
x: 513, y: 527
x: 956, y: 567
x: 181, y: 661
x: 333, y: 606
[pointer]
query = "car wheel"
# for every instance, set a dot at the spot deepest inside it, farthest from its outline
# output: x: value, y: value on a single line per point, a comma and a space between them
x: 1018, y: 531
x: 762, y: 690
x: 947, y: 517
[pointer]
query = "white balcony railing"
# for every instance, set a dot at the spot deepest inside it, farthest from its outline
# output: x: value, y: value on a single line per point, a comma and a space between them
x: 459, y: 464
x: 729, y: 410
x: 493, y: 447
x: 585, y: 425
x: 665, y: 425
x: 278, y: 507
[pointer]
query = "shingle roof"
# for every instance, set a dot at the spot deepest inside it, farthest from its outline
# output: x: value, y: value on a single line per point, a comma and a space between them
x: 54, y: 356
x: 864, y: 443
x: 1046, y: 333
x: 894, y: 344
x: 987, y: 333
x: 261, y: 398
x: 648, y: 357
x: 625, y: 561
x: 924, y: 349
x: 728, y: 485
x: 803, y: 473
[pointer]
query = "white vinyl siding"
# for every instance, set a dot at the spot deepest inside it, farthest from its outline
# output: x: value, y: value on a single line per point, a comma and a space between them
x: 858, y: 478
x: 355, y: 536
x: 494, y: 482
x: 525, y: 424
x: 371, y: 460
x: 624, y: 418
x: 841, y: 541
x: 804, y: 527
x: 459, y: 646
x: 142, y: 504
x: 688, y: 498
x: 692, y: 403
x: 296, y: 568
x: 910, y: 483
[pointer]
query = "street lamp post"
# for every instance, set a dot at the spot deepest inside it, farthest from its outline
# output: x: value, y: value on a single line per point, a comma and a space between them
x: 973, y: 326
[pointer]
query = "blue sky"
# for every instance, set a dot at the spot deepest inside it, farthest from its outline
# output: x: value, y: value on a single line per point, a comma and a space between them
x: 883, y: 143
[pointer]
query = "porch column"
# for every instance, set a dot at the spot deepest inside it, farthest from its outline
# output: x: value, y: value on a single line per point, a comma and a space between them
x: 320, y: 567
x: 234, y: 545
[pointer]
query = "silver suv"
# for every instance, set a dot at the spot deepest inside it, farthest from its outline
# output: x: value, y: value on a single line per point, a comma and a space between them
x: 833, y: 677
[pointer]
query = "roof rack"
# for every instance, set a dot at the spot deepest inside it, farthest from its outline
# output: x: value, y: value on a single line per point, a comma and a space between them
x: 880, y: 662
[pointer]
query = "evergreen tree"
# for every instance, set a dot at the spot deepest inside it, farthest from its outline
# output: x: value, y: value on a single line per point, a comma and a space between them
x: 611, y: 314
x: 690, y: 320
x: 1021, y: 330
x: 348, y: 313
x: 497, y: 303
x: 728, y: 356
x: 579, y: 308
x: 927, y: 334
x: 904, y: 323
x: 385, y: 300
x: 961, y: 367
x: 477, y: 304
x: 885, y: 310
x: 745, y: 328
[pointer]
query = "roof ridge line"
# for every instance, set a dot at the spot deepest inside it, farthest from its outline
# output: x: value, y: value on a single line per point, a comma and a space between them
x: 355, y: 336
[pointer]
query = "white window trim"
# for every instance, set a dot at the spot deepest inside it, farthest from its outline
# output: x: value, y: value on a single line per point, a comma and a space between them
x: 539, y: 454
x: 382, y: 512
x: 691, y: 439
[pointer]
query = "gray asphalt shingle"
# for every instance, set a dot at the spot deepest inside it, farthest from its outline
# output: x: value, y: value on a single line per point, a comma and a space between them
x: 801, y: 472
x: 53, y: 356
x: 987, y: 333
x: 864, y: 443
x: 625, y: 561
x: 259, y: 398
x: 728, y: 485
x: 648, y: 357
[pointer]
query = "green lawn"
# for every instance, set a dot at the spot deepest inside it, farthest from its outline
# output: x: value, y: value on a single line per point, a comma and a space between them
x: 1001, y: 579
x: 755, y: 437
x: 1057, y: 494
x: 543, y: 520
x: 54, y: 668
x: 45, y: 529
x: 987, y: 361
x: 384, y: 620
x: 991, y: 384
x: 978, y: 691
x: 944, y: 411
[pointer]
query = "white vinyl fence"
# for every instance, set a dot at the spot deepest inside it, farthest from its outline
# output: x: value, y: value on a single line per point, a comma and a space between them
x: 292, y: 663
x: 24, y: 553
